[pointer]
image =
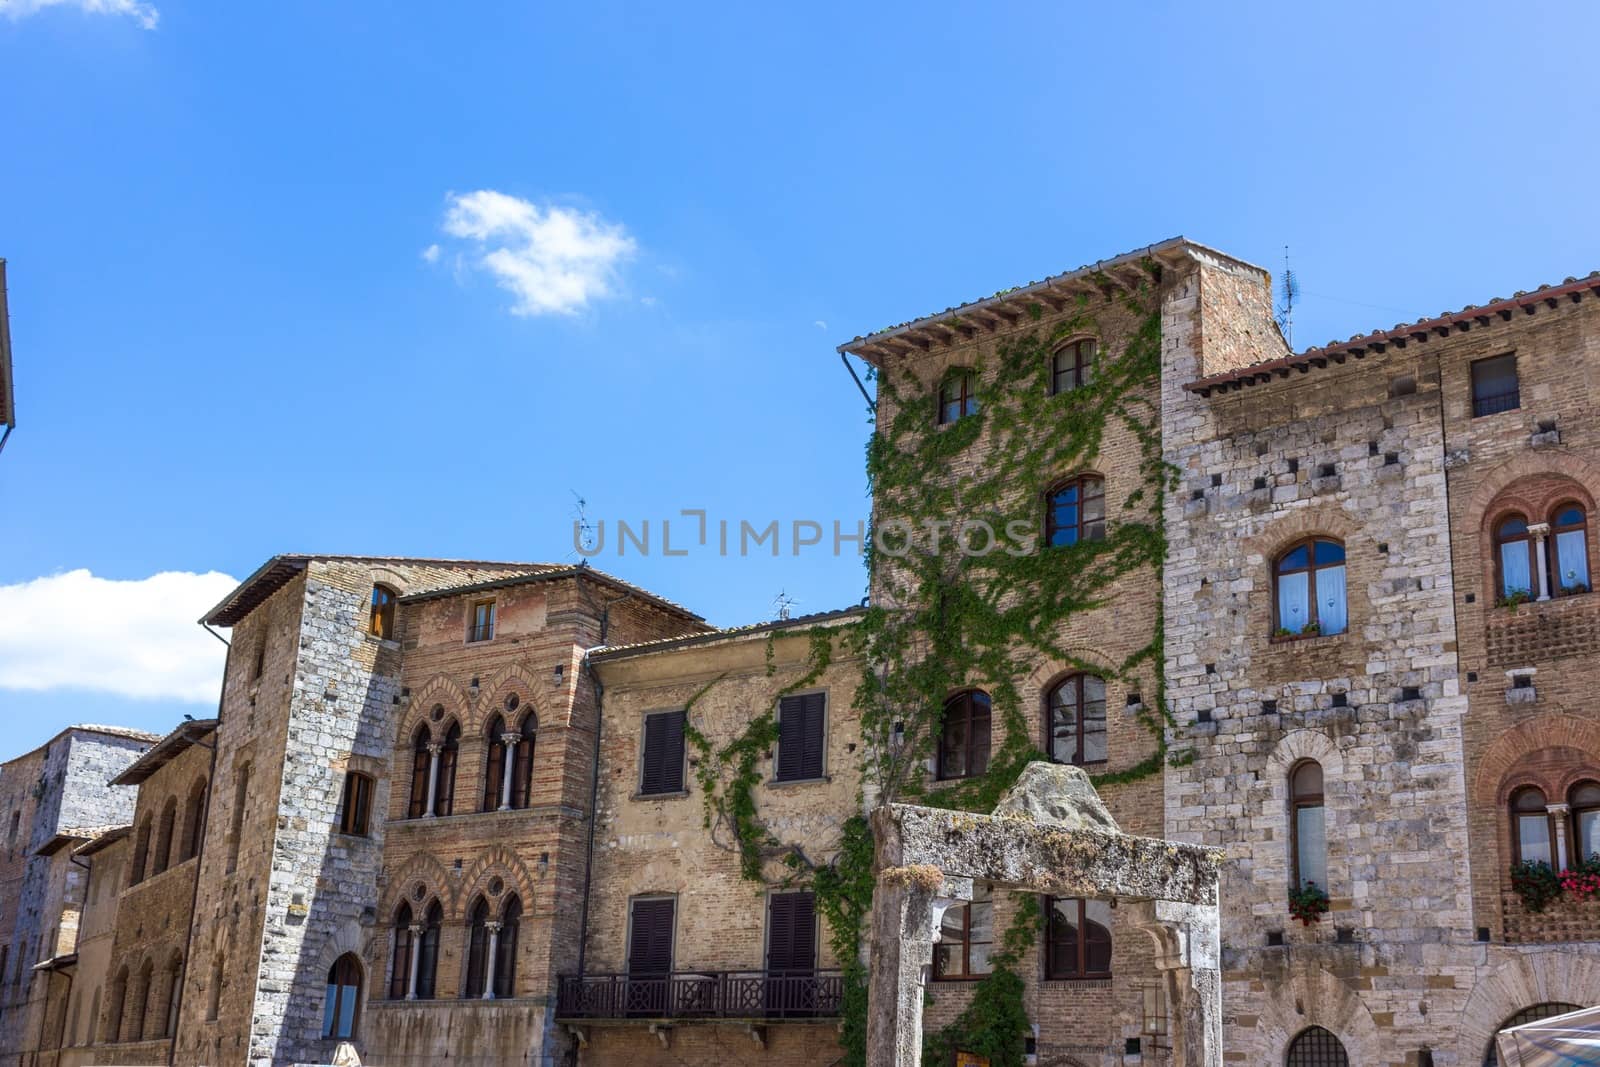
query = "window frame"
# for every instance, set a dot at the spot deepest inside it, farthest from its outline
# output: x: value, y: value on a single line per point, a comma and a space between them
x: 1077, y: 679
x: 503, y: 967
x: 965, y: 397
x: 1297, y: 802
x: 400, y: 951
x: 1557, y: 587
x: 1311, y: 568
x: 1082, y: 530
x: 1486, y: 405
x: 1082, y: 973
x: 1082, y: 367
x: 965, y: 909
x: 810, y: 770
x: 380, y: 617
x: 1574, y: 812
x: 1517, y: 815
x: 645, y: 750
x: 482, y: 621
x: 1321, y: 1056
x: 330, y: 1029
x: 1500, y: 540
x: 967, y: 699
x: 355, y: 805
x: 522, y: 755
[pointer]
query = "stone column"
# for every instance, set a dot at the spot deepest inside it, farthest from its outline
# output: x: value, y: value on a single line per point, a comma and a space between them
x: 433, y: 776
x: 1540, y: 532
x: 1189, y: 955
x: 416, y: 958
x: 489, y: 964
x: 507, y: 765
x: 902, y: 951
x: 1558, y: 829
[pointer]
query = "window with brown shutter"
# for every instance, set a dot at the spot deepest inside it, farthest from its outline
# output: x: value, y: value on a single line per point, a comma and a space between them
x: 650, y: 935
x: 801, y: 736
x: 355, y: 810
x: 791, y: 933
x: 662, y: 770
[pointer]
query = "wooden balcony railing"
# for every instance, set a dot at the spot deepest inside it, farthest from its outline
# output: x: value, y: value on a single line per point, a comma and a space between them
x: 701, y: 995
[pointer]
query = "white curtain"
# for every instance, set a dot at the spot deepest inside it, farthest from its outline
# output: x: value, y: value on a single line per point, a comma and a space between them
x: 1311, y: 846
x: 1572, y: 559
x: 1533, y: 836
x: 1588, y: 834
x: 1332, y: 614
x: 1294, y: 606
x: 1515, y: 576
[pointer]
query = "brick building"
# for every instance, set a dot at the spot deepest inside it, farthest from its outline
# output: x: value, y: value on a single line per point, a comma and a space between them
x: 1357, y: 577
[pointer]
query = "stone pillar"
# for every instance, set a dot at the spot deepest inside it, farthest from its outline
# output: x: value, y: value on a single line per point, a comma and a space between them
x: 902, y: 951
x: 1558, y: 829
x: 416, y: 958
x: 1189, y: 955
x: 507, y: 765
x: 489, y: 964
x: 1540, y: 532
x: 433, y: 776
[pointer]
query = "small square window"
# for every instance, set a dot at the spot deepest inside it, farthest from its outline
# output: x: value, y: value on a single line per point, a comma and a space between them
x: 481, y: 627
x: 1494, y: 386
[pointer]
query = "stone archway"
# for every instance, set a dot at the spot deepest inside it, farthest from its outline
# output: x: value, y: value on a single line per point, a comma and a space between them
x: 1521, y: 981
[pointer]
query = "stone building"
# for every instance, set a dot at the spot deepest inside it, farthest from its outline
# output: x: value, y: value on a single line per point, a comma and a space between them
x: 51, y: 799
x: 1326, y: 610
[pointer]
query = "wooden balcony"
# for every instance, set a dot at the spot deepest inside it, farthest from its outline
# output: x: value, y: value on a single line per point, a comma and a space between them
x: 702, y: 995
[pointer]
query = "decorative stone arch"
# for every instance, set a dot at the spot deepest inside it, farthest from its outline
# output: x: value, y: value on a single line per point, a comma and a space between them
x: 425, y: 868
x: 1505, y: 752
x: 512, y: 678
x: 1325, y: 519
x: 1297, y: 745
x: 1525, y: 466
x: 1315, y: 997
x: 1521, y: 982
x: 1320, y: 518
x: 392, y: 578
x: 509, y: 868
x: 438, y: 690
x: 347, y: 938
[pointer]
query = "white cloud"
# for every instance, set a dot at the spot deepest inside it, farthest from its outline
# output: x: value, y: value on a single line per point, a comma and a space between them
x: 554, y: 260
x: 819, y: 324
x: 132, y: 638
x: 431, y: 253
x: 144, y: 14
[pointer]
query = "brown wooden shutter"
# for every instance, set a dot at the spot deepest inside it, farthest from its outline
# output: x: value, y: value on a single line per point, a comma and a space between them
x: 650, y: 942
x: 663, y: 753
x: 800, y: 737
x: 791, y: 932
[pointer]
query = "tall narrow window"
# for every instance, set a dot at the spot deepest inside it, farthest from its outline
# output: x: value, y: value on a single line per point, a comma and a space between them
x: 1514, y: 552
x: 522, y: 762
x: 1072, y: 366
x: 1077, y: 938
x: 1530, y: 827
x: 144, y: 1025
x: 1584, y: 802
x: 801, y: 736
x: 1569, y: 561
x: 650, y: 937
x: 505, y: 954
x: 1308, y: 829
x: 1316, y: 1047
x: 355, y: 809
x: 428, y: 956
x: 482, y: 626
x: 241, y: 795
x: 1076, y: 511
x: 1078, y: 720
x: 380, y: 622
x: 1494, y: 385
x: 1311, y: 589
x: 494, y: 767
x: 174, y: 981
x: 661, y: 768
x: 958, y: 395
x: 92, y: 1031
x: 400, y: 963
x: 342, y: 999
x: 141, y: 851
x: 116, y: 1008
x: 477, y: 947
x: 214, y: 994
x: 964, y: 736
x: 164, y: 834
x: 194, y: 820
x: 966, y: 937
x: 444, y: 799
x: 421, y: 771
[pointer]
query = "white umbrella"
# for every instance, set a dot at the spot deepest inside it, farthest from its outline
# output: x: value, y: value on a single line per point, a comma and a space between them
x: 1559, y: 1041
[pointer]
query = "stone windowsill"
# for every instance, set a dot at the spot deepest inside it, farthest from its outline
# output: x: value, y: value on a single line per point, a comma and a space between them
x: 542, y: 810
x: 382, y: 642
x: 151, y: 878
x: 1531, y: 607
x: 1077, y: 983
x: 646, y: 798
x: 785, y: 783
x: 1294, y: 639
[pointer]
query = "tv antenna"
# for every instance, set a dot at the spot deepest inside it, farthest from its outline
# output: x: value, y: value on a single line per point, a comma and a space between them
x: 582, y: 527
x: 783, y: 606
x: 1288, y: 293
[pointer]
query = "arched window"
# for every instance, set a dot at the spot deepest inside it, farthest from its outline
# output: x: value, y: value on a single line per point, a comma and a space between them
x: 958, y: 395
x: 164, y: 834
x: 1072, y: 366
x: 1584, y: 801
x: 1530, y: 827
x: 964, y: 736
x: 241, y: 793
x: 1310, y: 589
x: 116, y: 1007
x: 495, y: 764
x: 141, y: 851
x: 194, y: 821
x: 421, y: 769
x: 1537, y: 1013
x: 214, y: 994
x: 400, y: 964
x: 341, y: 1002
x: 1514, y: 557
x: 381, y: 621
x: 144, y: 1027
x: 477, y: 947
x: 1569, y: 562
x: 505, y: 955
x: 428, y: 955
x: 966, y: 937
x: 444, y: 800
x: 1316, y: 1047
x: 174, y: 991
x: 1076, y: 511
x: 1307, y: 826
x: 522, y: 761
x: 1078, y: 720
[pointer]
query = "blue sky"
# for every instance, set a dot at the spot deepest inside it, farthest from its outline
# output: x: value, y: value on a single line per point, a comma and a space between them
x: 260, y: 258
